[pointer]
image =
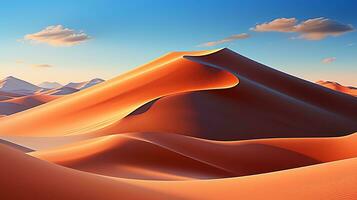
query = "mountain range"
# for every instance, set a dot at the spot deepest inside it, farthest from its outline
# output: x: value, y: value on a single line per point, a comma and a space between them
x: 17, y: 95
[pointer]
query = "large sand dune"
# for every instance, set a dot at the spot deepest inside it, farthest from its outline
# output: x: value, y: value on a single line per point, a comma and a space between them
x: 338, y: 87
x: 110, y: 101
x: 281, y: 104
x: 188, y: 125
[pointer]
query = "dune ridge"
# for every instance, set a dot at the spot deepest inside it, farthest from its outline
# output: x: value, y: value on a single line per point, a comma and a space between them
x: 18, y: 104
x: 122, y: 95
x: 338, y: 87
x: 188, y: 125
x: 116, y: 155
x: 334, y: 181
x: 281, y: 104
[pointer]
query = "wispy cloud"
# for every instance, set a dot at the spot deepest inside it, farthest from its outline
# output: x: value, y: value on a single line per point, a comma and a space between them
x: 58, y: 36
x: 41, y: 66
x: 277, y: 25
x: 311, y: 29
x: 226, y: 40
x: 328, y: 60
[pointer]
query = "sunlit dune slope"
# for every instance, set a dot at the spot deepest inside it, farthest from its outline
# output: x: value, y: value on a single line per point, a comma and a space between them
x: 338, y: 87
x: 266, y: 103
x: 332, y: 181
x: 110, y: 101
x: 177, y: 157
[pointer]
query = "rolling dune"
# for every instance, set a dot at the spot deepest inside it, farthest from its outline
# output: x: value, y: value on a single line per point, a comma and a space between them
x: 333, y: 181
x: 18, y: 104
x: 7, y: 95
x: 176, y: 157
x: 188, y: 125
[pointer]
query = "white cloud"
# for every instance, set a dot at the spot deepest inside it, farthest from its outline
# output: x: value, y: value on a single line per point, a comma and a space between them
x: 278, y: 25
x: 311, y: 29
x: 58, y: 36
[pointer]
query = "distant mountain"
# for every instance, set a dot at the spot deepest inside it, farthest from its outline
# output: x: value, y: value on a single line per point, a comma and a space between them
x: 17, y: 95
x: 85, y: 84
x: 17, y: 86
x: 75, y: 85
x: 61, y: 91
x: 92, y: 83
x: 50, y: 85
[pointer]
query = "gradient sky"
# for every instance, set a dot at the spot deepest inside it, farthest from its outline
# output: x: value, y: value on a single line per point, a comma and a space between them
x: 125, y: 34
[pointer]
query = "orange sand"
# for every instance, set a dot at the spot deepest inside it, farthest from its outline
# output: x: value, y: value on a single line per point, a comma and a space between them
x: 337, y: 87
x: 173, y: 129
x: 333, y: 181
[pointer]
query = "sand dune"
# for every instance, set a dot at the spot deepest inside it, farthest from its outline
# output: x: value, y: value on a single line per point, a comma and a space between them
x: 15, y: 146
x: 112, y: 100
x: 338, y: 87
x: 4, y: 98
x: 176, y: 157
x: 9, y: 94
x: 18, y: 104
x: 334, y: 180
x: 266, y: 103
x: 279, y: 103
x: 175, y: 128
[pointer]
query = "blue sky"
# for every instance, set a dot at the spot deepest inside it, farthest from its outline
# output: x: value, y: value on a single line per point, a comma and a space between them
x: 125, y: 34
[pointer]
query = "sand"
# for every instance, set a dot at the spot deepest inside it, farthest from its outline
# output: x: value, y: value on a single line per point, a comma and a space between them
x: 188, y: 125
x: 338, y: 87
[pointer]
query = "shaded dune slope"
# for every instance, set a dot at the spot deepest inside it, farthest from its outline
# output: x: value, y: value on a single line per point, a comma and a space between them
x: 15, y: 146
x: 332, y: 181
x: 176, y: 157
x: 18, y: 104
x: 266, y: 103
x: 8, y: 95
